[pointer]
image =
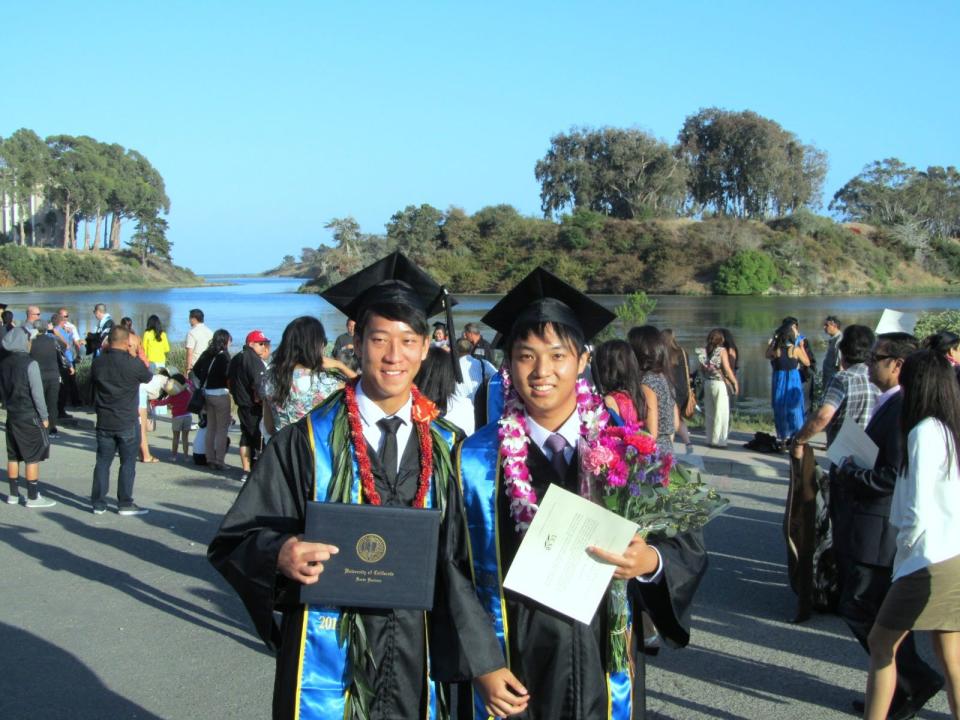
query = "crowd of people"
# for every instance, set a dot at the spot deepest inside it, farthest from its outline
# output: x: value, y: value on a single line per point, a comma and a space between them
x: 884, y: 554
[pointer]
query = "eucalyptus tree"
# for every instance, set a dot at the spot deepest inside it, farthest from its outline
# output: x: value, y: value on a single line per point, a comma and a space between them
x: 746, y: 165
x: 28, y: 168
x: 624, y: 173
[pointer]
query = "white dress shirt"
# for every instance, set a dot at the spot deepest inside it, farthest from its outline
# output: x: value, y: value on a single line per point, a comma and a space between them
x: 371, y: 413
x: 570, y: 431
x: 926, y: 501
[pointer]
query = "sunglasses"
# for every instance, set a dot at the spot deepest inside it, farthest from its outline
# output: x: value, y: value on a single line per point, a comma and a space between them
x: 874, y: 357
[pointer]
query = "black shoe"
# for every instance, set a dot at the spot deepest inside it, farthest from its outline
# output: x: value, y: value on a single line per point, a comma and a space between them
x: 916, y: 701
x: 53, y: 432
x: 900, y: 708
x: 99, y: 508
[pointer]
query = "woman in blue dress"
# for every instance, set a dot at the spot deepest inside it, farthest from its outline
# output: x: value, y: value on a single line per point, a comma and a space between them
x: 786, y: 355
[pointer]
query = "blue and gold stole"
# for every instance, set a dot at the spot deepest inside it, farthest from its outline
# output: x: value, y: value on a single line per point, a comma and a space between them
x: 324, y: 674
x: 481, y: 481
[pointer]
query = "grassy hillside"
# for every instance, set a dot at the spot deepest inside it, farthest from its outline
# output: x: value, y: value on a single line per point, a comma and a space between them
x: 32, y: 268
x: 798, y: 255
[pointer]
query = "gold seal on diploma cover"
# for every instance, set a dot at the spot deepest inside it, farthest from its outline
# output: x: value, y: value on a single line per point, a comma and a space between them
x: 371, y: 548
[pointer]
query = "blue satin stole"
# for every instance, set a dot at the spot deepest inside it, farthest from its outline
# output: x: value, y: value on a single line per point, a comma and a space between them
x: 324, y: 675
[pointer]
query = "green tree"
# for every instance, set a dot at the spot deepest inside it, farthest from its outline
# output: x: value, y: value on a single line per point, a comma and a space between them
x: 746, y: 165
x: 28, y: 167
x: 416, y: 231
x: 624, y: 173
x: 747, y: 272
x: 878, y: 195
x: 150, y: 238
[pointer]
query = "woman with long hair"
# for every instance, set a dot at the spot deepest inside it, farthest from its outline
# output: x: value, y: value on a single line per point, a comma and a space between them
x: 435, y: 379
x: 155, y: 343
x: 661, y: 417
x: 717, y: 374
x: 946, y: 343
x: 678, y: 372
x: 618, y: 375
x: 210, y: 370
x: 300, y: 377
x: 787, y: 356
x: 925, y: 594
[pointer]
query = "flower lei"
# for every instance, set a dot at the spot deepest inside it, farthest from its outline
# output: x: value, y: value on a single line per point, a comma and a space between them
x: 422, y: 413
x: 514, y: 439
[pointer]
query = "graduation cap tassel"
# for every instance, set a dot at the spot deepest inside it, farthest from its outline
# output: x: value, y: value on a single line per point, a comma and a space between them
x: 451, y: 334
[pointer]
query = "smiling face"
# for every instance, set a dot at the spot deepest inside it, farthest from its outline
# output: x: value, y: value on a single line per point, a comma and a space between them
x: 390, y: 356
x: 544, y: 371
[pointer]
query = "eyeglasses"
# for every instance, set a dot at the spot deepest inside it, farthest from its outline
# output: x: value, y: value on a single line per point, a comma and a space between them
x: 875, y: 358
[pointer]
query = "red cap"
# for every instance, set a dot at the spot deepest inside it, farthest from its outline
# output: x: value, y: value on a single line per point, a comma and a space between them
x: 256, y: 336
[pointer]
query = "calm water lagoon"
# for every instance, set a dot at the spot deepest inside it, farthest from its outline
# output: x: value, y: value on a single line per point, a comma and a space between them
x: 270, y: 303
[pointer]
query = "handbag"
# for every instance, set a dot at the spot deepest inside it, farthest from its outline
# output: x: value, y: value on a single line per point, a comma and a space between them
x: 198, y: 399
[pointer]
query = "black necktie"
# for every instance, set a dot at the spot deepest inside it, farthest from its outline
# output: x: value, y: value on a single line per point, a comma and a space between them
x: 388, y: 448
x: 556, y: 443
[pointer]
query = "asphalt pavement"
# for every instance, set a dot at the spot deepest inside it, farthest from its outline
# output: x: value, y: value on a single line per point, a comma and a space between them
x: 110, y: 617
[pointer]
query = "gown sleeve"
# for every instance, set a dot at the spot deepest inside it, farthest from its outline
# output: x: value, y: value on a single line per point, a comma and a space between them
x: 270, y: 508
x: 462, y: 642
x: 668, y: 600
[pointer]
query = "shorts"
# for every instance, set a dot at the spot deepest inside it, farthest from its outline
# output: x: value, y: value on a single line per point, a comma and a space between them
x: 182, y: 423
x: 27, y: 440
x: 249, y: 426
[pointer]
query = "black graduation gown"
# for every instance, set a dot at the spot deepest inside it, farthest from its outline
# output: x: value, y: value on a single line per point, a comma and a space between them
x: 561, y: 661
x: 271, y: 506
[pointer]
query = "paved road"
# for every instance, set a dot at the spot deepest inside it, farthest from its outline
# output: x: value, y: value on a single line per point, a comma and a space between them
x: 107, y: 617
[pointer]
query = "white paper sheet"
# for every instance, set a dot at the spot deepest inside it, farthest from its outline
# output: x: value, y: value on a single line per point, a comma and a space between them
x: 552, y: 565
x: 894, y: 321
x: 853, y: 442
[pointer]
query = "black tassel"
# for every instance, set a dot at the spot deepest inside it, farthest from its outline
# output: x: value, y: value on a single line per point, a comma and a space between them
x: 451, y: 337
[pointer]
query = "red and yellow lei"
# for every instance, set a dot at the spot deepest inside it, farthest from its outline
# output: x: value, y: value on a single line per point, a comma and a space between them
x: 422, y: 413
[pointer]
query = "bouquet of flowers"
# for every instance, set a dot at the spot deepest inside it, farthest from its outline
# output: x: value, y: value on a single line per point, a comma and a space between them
x: 622, y: 469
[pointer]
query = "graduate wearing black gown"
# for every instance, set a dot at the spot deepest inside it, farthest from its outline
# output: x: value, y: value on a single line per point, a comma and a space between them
x: 271, y: 508
x: 563, y: 663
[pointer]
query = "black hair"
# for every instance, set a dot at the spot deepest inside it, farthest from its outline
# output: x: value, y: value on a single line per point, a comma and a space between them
x: 153, y: 323
x: 435, y: 378
x: 178, y: 377
x: 856, y: 344
x: 784, y: 336
x: 790, y: 320
x: 615, y: 368
x: 127, y: 323
x: 649, y: 347
x: 730, y: 344
x: 942, y: 341
x: 930, y: 389
x: 832, y: 319
x: 898, y: 344
x: 302, y: 344
x: 397, y: 312
x: 220, y: 342
x: 566, y: 334
x: 6, y: 317
x: 197, y: 314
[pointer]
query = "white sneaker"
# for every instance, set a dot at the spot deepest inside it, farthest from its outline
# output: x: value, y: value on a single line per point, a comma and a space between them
x: 40, y: 502
x: 13, y: 499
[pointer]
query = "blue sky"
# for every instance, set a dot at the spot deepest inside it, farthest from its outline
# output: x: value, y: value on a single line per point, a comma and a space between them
x: 268, y: 119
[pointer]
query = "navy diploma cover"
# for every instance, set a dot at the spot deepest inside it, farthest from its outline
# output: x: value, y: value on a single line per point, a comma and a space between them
x: 387, y: 558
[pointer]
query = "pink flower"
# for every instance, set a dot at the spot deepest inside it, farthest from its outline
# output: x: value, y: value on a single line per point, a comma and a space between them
x: 617, y: 475
x: 598, y: 458
x: 644, y: 444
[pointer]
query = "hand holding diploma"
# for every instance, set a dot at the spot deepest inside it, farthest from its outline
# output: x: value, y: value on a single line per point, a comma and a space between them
x: 502, y: 693
x: 638, y: 559
x: 303, y: 561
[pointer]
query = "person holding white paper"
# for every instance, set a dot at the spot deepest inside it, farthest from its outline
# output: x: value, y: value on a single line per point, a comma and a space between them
x: 870, y: 540
x: 506, y: 468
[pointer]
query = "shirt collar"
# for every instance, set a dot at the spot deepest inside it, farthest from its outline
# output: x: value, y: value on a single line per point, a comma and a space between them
x: 371, y: 413
x: 569, y: 431
x: 884, y: 397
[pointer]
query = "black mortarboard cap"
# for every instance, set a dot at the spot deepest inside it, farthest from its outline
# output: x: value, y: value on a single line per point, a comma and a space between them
x: 393, y: 279
x: 543, y: 297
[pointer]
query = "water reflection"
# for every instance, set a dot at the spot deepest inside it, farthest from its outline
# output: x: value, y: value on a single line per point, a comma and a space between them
x: 270, y: 303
